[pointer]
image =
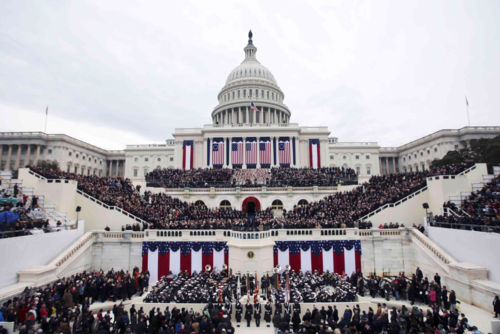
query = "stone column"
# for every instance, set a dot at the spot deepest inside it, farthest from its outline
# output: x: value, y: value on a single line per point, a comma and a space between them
x: 28, y: 155
x: 203, y: 156
x: 380, y: 165
x: 247, y: 114
x: 37, y: 155
x: 9, y: 157
x: 18, y: 157
x: 394, y: 165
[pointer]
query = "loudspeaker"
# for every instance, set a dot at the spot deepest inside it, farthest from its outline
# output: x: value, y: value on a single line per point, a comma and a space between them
x: 425, y: 205
x: 78, y: 208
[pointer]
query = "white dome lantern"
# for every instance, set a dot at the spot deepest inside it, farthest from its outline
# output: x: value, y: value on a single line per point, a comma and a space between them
x: 250, y: 82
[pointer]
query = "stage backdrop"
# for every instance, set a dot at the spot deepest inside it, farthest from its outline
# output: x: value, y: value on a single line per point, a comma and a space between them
x: 162, y: 257
x: 335, y: 256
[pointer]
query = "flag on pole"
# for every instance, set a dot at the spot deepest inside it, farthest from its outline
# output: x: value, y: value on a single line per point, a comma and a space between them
x: 466, y: 102
x: 253, y: 107
x: 256, y: 292
x: 287, y: 288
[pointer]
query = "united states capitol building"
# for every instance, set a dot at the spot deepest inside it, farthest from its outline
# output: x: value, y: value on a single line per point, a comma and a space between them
x: 251, y: 128
x: 233, y: 117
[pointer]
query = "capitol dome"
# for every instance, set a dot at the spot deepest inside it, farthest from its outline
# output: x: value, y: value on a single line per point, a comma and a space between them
x: 250, y: 82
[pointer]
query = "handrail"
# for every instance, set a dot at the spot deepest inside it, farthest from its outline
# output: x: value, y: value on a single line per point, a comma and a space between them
x: 432, y: 247
x: 448, y: 210
x: 111, y: 207
x: 73, y: 249
x: 38, y: 205
x: 391, y: 205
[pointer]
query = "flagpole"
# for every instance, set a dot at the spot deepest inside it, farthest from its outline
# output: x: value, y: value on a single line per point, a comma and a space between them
x: 46, y: 116
x: 467, y: 107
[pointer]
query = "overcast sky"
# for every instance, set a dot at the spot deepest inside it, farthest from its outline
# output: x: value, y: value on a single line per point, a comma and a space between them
x: 130, y: 72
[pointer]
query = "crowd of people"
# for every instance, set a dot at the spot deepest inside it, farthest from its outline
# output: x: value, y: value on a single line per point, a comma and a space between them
x: 307, y: 177
x: 479, y: 212
x: 338, y: 210
x: 314, y: 287
x: 193, y: 178
x: 63, y: 306
x: 251, y: 177
x: 20, y: 215
x: 274, y: 177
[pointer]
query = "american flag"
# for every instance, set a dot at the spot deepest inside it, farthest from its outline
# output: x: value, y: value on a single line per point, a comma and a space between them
x: 237, y: 151
x: 284, y: 151
x: 265, y: 151
x: 218, y: 152
x: 253, y: 107
x: 251, y: 152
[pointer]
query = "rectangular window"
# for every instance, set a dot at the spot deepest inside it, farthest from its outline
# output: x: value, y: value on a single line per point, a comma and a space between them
x: 358, y: 170
x: 331, y: 157
x: 50, y: 151
x: 136, y: 159
x: 146, y: 159
x: 456, y: 147
x: 135, y: 172
x: 357, y: 157
x: 145, y: 172
x: 368, y: 170
x: 171, y: 158
x: 435, y: 149
x: 367, y: 157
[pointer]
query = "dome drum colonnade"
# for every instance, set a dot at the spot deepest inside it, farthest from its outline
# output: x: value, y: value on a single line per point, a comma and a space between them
x: 248, y: 83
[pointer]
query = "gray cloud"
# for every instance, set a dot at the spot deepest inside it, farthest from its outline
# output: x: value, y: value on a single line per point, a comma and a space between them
x: 389, y: 72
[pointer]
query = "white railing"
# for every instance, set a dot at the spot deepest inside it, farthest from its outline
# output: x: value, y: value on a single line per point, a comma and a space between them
x: 392, y: 205
x: 452, y: 177
x: 419, y: 237
x: 110, y: 207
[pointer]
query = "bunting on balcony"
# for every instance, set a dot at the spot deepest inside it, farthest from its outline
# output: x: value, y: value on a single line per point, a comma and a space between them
x: 339, y: 256
x: 161, y: 258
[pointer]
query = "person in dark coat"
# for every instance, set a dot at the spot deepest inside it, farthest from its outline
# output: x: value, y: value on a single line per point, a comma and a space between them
x: 296, y: 321
x: 267, y: 314
x: 496, y: 306
x: 335, y: 314
x: 248, y: 313
x: 239, y: 311
x: 257, y: 314
x: 276, y: 322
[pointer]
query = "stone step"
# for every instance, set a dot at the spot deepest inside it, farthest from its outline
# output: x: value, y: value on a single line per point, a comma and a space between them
x: 465, y: 193
x: 488, y: 178
x: 496, y: 170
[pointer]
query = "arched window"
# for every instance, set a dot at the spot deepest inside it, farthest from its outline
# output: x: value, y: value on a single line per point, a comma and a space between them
x: 262, y: 93
x: 225, y: 204
x: 159, y: 159
x: 199, y: 203
x: 245, y: 72
x: 277, y: 205
x: 256, y: 93
x: 303, y: 202
x: 238, y: 94
x: 268, y: 95
x: 233, y: 95
x: 244, y: 93
x: 272, y: 94
x: 250, y: 92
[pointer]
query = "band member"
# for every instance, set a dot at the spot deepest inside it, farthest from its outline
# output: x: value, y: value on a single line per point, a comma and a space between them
x: 248, y: 313
x: 257, y: 314
x: 267, y: 316
x: 239, y: 311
